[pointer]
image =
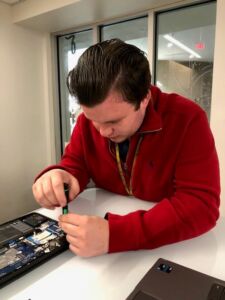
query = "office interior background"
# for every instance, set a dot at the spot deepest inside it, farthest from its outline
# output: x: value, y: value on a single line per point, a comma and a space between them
x: 41, y: 40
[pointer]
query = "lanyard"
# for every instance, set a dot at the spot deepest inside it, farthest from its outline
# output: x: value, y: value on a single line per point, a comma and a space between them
x: 128, y: 189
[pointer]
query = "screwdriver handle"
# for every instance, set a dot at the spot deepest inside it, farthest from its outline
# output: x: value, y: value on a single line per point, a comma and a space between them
x: 65, y: 209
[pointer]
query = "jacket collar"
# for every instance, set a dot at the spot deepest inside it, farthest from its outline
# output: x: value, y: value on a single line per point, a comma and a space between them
x: 152, y: 121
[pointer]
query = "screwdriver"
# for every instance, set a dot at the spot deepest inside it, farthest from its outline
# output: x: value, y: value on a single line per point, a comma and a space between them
x: 65, y: 209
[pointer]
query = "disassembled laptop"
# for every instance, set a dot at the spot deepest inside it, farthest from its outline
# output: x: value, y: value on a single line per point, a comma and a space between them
x: 26, y: 242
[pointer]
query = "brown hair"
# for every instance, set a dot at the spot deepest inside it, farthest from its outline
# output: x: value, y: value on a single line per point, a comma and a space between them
x: 110, y: 65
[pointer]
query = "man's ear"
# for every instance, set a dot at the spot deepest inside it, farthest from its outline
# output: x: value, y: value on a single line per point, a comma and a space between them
x: 145, y: 101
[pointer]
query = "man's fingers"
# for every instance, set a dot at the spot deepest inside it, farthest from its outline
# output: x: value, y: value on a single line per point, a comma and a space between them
x: 73, y: 219
x: 72, y: 240
x: 87, y: 235
x: 79, y: 251
x: 74, y: 249
x: 49, y: 193
x: 39, y: 195
x: 58, y: 188
x: 74, y: 187
x: 70, y: 229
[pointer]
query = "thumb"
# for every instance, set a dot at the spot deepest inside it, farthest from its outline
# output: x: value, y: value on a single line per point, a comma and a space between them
x: 74, y: 187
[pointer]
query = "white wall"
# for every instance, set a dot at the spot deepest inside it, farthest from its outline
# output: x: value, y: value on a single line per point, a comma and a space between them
x: 24, y: 121
x: 218, y: 95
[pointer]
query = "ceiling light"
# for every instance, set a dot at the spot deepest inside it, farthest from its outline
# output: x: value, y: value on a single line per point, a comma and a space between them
x: 181, y: 45
x: 169, y: 45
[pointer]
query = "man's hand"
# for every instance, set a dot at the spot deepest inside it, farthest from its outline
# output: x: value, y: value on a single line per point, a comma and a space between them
x: 87, y: 235
x: 48, y: 190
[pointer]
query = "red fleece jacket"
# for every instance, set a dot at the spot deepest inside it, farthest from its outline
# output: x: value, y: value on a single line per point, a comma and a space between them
x: 176, y: 166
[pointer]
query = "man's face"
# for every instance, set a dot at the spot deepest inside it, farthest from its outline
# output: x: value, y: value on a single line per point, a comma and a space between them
x: 116, y: 119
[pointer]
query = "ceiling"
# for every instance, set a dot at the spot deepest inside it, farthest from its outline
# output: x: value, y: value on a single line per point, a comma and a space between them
x: 11, y: 2
x: 82, y: 12
x: 189, y: 25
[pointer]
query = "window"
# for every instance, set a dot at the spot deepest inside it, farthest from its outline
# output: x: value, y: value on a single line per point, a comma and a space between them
x: 70, y: 48
x: 184, y: 52
x: 133, y: 31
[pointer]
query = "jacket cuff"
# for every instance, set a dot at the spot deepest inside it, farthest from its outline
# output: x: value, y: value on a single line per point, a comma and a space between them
x: 124, y: 232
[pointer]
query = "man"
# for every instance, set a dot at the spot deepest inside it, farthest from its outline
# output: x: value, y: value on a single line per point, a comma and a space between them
x: 134, y: 140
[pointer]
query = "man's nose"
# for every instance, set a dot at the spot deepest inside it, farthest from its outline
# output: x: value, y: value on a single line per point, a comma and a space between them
x: 106, y: 131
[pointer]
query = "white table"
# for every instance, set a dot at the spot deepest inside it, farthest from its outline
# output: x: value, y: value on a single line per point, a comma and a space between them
x: 113, y: 276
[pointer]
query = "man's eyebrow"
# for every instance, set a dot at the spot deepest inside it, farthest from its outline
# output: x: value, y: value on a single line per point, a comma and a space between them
x: 106, y: 122
x: 114, y: 121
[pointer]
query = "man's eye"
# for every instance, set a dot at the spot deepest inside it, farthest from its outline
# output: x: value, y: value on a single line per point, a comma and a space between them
x: 114, y: 122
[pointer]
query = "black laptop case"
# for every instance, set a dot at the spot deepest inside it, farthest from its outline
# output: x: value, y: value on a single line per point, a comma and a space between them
x: 26, y: 242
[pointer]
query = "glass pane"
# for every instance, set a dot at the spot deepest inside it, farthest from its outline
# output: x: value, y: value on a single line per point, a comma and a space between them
x: 70, y: 48
x: 133, y: 32
x: 184, y: 60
